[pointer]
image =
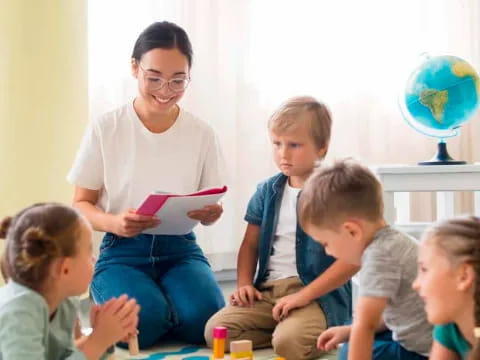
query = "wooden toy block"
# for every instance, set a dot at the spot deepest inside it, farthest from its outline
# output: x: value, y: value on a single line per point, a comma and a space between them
x: 219, y: 336
x: 133, y: 346
x: 241, y: 349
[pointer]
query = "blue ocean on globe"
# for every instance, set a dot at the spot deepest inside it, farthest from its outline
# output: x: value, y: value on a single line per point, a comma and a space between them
x: 441, y: 95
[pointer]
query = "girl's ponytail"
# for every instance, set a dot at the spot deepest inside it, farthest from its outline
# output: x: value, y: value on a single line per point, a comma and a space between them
x: 35, y: 237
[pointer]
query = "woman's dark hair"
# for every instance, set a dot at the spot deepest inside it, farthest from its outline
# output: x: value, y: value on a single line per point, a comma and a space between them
x: 164, y: 35
x: 35, y: 237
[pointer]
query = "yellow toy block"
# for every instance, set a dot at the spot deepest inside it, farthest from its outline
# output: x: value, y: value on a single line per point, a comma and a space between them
x: 241, y: 349
x: 219, y: 336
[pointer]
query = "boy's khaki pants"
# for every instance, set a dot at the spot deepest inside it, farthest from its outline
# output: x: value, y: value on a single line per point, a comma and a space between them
x: 294, y: 338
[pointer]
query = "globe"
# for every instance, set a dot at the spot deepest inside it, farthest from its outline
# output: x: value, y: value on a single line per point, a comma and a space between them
x: 441, y: 94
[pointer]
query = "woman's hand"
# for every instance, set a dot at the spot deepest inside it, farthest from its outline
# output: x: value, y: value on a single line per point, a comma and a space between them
x: 129, y: 223
x: 208, y: 215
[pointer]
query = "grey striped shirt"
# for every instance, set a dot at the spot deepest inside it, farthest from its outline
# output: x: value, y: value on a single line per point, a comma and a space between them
x: 389, y: 267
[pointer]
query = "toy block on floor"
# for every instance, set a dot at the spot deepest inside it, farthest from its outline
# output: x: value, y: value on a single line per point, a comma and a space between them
x: 241, y: 349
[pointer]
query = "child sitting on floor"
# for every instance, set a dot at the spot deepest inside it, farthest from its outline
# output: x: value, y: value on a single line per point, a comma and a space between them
x: 299, y: 290
x: 341, y: 206
x: 48, y: 259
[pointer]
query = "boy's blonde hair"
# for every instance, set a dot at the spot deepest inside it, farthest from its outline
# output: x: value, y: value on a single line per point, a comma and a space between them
x: 459, y: 238
x: 286, y: 118
x: 335, y: 192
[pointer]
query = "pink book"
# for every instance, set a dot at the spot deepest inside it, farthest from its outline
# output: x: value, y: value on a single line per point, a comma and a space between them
x: 154, y: 202
x: 172, y: 209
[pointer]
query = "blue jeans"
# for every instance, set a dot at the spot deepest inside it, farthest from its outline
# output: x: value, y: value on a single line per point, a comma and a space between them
x: 168, y: 276
x: 385, y: 348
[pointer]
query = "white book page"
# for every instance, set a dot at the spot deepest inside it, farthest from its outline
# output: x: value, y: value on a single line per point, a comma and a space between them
x: 173, y: 214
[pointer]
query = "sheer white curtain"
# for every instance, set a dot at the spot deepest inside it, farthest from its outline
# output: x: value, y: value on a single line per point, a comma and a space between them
x: 249, y: 56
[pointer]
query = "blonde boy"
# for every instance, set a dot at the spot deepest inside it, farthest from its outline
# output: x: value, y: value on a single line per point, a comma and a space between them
x: 298, y: 290
x: 341, y: 206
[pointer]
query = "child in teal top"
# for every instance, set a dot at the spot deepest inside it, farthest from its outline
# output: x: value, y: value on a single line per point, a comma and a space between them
x: 450, y: 337
x: 47, y: 260
x: 448, y: 280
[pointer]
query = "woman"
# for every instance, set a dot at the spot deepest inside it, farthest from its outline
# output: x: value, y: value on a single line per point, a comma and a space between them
x: 151, y: 144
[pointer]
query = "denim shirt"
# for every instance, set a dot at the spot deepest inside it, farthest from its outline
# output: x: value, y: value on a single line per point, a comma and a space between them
x: 263, y: 210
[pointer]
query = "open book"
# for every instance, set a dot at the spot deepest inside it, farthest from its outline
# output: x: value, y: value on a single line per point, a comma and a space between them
x: 172, y: 209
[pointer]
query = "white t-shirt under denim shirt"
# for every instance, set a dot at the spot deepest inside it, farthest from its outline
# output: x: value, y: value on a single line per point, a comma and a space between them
x: 283, y: 262
x: 122, y: 159
x: 389, y: 267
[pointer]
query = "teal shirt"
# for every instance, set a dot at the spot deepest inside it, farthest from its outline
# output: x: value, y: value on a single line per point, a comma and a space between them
x: 26, y: 332
x: 450, y: 336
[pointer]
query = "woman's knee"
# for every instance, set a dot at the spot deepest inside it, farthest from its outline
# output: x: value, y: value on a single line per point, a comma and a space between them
x: 212, y: 304
x: 155, y: 316
x: 194, y: 321
x: 206, y: 306
x: 218, y: 319
x: 153, y: 323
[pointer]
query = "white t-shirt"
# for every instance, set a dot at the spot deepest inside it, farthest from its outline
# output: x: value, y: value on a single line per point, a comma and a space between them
x: 283, y: 262
x: 122, y: 159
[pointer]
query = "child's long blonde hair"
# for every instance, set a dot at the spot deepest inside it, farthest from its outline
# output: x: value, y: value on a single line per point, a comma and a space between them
x: 35, y: 237
x: 459, y: 238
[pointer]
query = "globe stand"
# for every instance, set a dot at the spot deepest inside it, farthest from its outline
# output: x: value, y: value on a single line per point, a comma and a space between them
x: 442, y: 157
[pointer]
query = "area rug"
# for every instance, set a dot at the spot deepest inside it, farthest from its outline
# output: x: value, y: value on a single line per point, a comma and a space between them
x: 186, y: 352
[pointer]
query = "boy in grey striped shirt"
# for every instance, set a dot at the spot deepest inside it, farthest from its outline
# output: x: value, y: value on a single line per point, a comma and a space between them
x: 341, y: 207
